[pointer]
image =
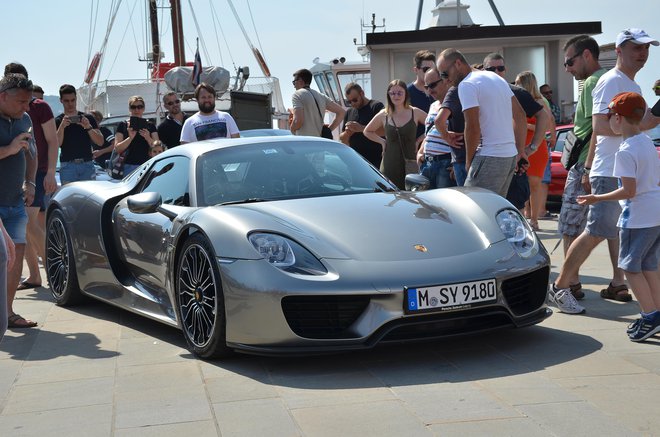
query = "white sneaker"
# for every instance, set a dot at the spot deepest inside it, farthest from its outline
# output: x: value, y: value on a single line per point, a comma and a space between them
x: 564, y: 300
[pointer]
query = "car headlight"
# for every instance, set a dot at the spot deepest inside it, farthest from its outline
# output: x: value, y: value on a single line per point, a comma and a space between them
x: 518, y: 233
x: 286, y: 254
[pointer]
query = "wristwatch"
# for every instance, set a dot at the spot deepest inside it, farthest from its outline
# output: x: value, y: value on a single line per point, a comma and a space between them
x: 587, y: 170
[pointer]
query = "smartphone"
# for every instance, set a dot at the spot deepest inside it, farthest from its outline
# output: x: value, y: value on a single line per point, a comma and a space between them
x: 138, y: 123
x: 74, y: 118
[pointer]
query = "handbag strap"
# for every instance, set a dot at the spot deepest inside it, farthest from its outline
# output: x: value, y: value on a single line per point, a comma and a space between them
x: 318, y: 108
x: 396, y: 128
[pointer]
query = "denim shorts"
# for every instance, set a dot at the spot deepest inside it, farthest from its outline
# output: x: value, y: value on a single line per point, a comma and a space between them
x: 547, y: 175
x: 640, y: 249
x: 14, y: 218
x: 436, y: 169
x: 40, y: 198
x: 603, y: 216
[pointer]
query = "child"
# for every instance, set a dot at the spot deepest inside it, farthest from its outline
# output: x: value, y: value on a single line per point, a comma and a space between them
x: 638, y: 167
x: 156, y: 148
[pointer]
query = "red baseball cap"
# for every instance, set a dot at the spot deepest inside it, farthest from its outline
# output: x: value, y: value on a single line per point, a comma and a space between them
x: 629, y: 105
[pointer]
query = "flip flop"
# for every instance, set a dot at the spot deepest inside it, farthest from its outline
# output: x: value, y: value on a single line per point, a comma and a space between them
x: 25, y: 285
x: 13, y: 320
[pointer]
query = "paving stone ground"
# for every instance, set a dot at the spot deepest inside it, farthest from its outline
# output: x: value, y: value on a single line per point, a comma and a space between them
x: 95, y: 370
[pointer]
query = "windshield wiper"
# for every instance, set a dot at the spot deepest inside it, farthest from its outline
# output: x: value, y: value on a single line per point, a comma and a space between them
x: 248, y: 200
x: 381, y: 187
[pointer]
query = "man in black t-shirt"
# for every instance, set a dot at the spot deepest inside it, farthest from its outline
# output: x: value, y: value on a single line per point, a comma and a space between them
x: 76, y: 132
x: 169, y: 130
x: 360, y: 113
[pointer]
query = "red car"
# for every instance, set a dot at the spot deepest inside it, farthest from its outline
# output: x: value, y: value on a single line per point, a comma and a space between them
x: 558, y: 172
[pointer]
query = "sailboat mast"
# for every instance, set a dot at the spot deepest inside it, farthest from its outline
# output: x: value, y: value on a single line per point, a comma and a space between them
x: 177, y: 34
x: 155, y: 41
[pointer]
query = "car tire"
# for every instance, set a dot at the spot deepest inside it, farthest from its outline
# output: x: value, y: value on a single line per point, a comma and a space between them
x: 60, y: 265
x: 200, y: 299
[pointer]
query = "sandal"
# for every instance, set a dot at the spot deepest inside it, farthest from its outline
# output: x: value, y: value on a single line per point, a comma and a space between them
x: 18, y: 321
x: 618, y: 293
x: 576, y: 291
x: 25, y: 285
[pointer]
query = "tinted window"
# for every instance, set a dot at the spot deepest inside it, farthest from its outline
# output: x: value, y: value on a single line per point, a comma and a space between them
x: 169, y: 178
x: 283, y: 170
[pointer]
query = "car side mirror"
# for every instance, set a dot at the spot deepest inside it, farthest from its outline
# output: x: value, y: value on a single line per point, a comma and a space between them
x: 148, y: 203
x: 417, y: 182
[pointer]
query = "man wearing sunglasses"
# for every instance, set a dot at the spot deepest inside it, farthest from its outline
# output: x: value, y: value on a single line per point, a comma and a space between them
x: 360, y: 113
x: 18, y: 166
x: 632, y: 50
x: 423, y: 61
x: 76, y: 131
x: 492, y: 146
x: 434, y: 156
x: 581, y: 60
x: 169, y: 130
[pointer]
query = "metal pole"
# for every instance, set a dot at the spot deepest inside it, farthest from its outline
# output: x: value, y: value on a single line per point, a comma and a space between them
x: 496, y: 12
x: 419, y: 13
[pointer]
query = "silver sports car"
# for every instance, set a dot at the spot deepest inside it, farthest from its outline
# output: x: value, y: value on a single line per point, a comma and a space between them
x: 293, y: 245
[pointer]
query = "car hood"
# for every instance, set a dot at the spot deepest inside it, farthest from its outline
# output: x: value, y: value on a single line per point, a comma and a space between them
x: 378, y: 226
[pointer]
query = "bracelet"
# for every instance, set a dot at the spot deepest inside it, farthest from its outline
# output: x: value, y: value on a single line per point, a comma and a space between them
x: 31, y: 183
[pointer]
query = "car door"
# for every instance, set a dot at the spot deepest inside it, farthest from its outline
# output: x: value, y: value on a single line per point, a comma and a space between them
x: 144, y: 239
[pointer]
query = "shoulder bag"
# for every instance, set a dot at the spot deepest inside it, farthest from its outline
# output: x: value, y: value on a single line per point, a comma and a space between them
x: 572, y: 148
x: 325, y: 130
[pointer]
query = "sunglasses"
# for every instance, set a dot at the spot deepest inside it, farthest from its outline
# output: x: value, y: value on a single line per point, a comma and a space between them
x: 444, y: 75
x: 136, y: 106
x: 396, y: 93
x: 432, y: 85
x: 570, y: 61
x: 425, y: 69
x: 173, y: 102
x: 499, y: 68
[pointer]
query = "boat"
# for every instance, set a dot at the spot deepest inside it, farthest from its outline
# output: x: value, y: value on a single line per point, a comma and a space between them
x: 254, y: 102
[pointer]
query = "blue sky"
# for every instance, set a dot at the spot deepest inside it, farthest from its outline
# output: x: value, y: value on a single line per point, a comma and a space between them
x: 52, y: 38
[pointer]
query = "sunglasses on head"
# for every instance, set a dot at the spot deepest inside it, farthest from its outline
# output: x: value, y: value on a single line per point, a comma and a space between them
x: 173, y: 102
x: 499, y: 68
x: 432, y: 85
x: 23, y: 84
x: 136, y: 106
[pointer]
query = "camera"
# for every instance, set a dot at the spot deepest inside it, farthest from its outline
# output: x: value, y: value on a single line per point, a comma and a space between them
x: 74, y: 118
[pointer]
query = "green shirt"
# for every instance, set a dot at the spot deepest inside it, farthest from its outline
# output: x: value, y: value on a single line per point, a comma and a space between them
x: 584, y: 109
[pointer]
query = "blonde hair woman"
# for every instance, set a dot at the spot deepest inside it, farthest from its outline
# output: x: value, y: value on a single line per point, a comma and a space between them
x: 538, y: 160
x: 400, y: 121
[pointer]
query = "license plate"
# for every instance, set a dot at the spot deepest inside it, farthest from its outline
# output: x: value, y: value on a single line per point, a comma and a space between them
x: 450, y: 296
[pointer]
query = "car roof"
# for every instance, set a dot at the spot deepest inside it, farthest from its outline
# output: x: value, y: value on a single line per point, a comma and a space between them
x: 200, y: 147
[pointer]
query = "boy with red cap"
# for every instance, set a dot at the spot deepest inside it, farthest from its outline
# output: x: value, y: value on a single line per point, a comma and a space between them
x: 637, y: 165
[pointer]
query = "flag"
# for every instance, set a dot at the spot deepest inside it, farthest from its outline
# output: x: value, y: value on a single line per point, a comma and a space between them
x: 197, y: 69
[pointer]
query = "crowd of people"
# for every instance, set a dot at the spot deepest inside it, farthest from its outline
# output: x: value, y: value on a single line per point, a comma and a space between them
x: 466, y: 126
x: 457, y: 124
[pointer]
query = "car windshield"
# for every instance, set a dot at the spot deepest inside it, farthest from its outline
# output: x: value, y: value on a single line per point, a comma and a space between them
x: 283, y: 170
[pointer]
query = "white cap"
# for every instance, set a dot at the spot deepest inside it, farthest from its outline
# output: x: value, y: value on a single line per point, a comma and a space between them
x: 637, y: 36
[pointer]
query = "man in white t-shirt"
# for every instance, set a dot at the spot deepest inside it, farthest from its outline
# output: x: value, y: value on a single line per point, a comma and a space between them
x: 208, y: 122
x: 492, y: 147
x: 632, y: 49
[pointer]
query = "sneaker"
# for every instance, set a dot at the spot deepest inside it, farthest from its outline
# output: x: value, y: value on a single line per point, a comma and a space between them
x: 648, y: 326
x: 564, y: 299
x: 632, y: 327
